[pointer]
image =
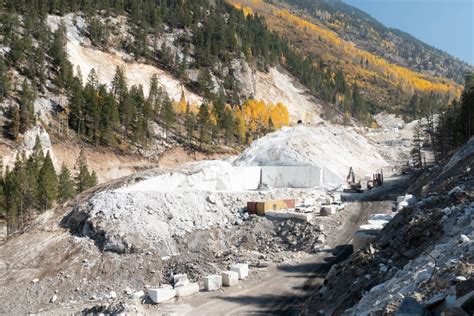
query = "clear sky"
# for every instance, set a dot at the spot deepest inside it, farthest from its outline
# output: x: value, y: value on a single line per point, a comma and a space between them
x: 444, y: 24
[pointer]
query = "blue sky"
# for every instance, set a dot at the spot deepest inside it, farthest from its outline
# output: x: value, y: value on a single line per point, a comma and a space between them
x: 444, y: 24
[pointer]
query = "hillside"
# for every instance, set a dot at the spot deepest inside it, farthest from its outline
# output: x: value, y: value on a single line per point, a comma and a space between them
x: 423, y: 259
x: 385, y: 82
x: 391, y: 44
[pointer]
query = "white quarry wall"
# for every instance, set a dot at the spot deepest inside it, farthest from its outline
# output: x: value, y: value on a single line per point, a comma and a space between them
x: 222, y: 176
x: 239, y: 179
x: 330, y: 177
x: 291, y: 176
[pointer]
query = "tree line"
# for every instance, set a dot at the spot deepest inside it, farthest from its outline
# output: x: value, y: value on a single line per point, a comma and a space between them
x: 448, y: 130
x: 455, y: 126
x: 32, y: 186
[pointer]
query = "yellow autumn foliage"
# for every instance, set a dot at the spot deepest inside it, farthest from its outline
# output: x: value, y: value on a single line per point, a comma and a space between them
x: 394, y: 73
x: 245, y: 9
x: 283, y: 21
x: 279, y: 115
x: 255, y: 115
x: 180, y: 107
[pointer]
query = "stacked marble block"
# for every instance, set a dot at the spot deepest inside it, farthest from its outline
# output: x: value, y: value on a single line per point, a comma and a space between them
x: 183, y: 287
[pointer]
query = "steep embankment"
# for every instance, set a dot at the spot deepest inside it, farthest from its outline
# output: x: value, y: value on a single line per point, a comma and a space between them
x: 84, y: 57
x: 423, y: 259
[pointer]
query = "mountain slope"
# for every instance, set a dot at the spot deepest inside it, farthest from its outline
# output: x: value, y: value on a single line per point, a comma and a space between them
x: 394, y: 45
x: 384, y: 83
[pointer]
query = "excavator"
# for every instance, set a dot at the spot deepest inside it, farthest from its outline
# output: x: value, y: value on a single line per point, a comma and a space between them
x: 354, y: 187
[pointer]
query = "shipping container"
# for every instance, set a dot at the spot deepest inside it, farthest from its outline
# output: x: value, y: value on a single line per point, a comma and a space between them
x: 260, y: 208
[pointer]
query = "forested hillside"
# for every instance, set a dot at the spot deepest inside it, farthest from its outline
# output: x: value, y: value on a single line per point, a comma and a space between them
x: 206, y: 39
x: 371, y: 82
x: 394, y: 45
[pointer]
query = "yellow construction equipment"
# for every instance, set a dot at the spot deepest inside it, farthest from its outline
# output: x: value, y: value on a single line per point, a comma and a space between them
x: 377, y: 180
x: 354, y: 187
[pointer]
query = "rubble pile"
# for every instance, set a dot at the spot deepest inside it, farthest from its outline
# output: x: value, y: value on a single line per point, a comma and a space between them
x: 140, y: 221
x: 256, y: 240
x: 271, y: 237
x: 299, y: 236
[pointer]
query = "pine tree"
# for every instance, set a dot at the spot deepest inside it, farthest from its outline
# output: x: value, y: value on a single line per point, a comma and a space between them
x: 3, y: 210
x: 189, y: 124
x: 167, y: 115
x: 165, y: 54
x: 182, y: 68
x: 467, y: 108
x: 126, y: 110
x: 14, y: 126
x: 83, y: 177
x: 92, y: 180
x: 119, y: 84
x: 47, y: 184
x: 109, y: 117
x: 92, y: 79
x: 340, y: 82
x: 204, y: 124
x: 5, y: 84
x: 416, y: 155
x: 33, y: 165
x: 12, y: 200
x: 27, y: 118
x: 66, y: 189
x: 413, y: 106
x: 38, y: 155
x: 97, y: 32
x: 58, y: 45
x: 155, y: 96
x: 205, y: 82
x: 228, y: 125
x: 16, y: 190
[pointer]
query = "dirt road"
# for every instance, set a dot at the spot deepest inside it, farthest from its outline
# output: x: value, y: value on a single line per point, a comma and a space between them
x: 281, y: 289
